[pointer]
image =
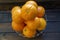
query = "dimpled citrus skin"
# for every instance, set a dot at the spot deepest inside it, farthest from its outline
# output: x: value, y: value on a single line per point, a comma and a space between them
x: 33, y: 24
x: 16, y: 14
x: 32, y: 3
x: 41, y: 11
x: 29, y: 12
x: 28, y: 33
x: 17, y: 27
x: 42, y: 24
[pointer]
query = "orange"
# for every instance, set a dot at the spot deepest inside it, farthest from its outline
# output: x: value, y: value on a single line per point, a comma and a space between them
x: 41, y: 11
x: 16, y: 15
x: 42, y: 24
x: 17, y: 27
x: 28, y: 33
x: 29, y: 12
x: 33, y: 24
x: 32, y: 3
x: 14, y: 8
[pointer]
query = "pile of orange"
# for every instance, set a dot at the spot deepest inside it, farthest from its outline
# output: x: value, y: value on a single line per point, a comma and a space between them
x: 28, y: 19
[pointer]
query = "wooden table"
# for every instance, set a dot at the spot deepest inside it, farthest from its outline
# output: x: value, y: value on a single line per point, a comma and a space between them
x: 52, y: 31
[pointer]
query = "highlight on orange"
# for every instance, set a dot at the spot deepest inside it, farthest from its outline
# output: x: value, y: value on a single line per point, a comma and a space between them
x: 17, y: 27
x: 28, y: 33
x: 41, y: 11
x: 32, y: 3
x: 16, y: 14
x: 29, y: 12
x: 15, y: 8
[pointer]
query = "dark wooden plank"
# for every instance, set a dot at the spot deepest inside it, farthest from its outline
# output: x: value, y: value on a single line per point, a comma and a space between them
x: 53, y: 27
x: 53, y: 24
x: 9, y: 4
x: 45, y: 36
x: 9, y: 1
x: 50, y: 15
x: 53, y: 15
x: 5, y: 27
x: 5, y: 16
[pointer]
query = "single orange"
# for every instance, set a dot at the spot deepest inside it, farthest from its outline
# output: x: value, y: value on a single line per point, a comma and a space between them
x: 17, y: 27
x: 16, y: 15
x: 41, y: 11
x: 29, y: 12
x: 33, y: 24
x: 15, y: 8
x: 28, y: 33
x: 32, y: 3
x: 42, y: 24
